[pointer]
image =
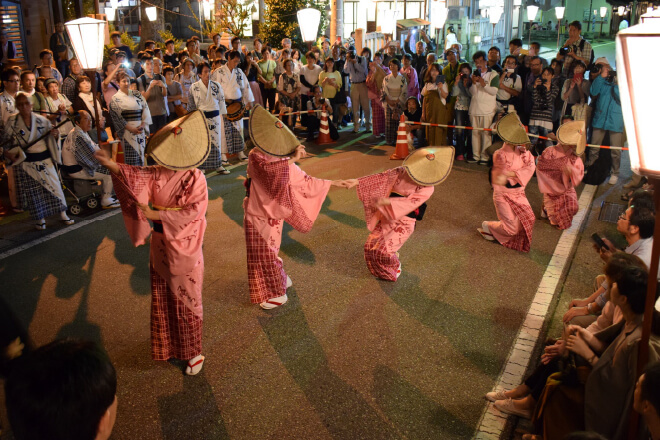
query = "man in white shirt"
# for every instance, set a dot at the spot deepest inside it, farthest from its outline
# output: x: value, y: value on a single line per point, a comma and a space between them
x: 236, y: 88
x: 309, y: 77
x: 485, y: 83
x: 510, y: 86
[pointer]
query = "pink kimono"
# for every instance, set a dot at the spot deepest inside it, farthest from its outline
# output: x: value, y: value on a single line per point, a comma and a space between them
x: 277, y: 192
x: 176, y: 259
x: 516, y: 218
x: 559, y: 197
x: 390, y: 226
x: 413, y: 82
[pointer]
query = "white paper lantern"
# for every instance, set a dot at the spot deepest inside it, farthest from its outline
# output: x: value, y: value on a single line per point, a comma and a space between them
x: 603, y: 11
x: 438, y: 15
x: 531, y: 12
x: 639, y: 106
x: 308, y: 20
x: 87, y: 37
x: 110, y: 14
x: 495, y: 14
x: 152, y: 13
x: 559, y: 12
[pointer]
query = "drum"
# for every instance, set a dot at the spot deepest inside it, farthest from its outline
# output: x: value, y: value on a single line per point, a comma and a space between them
x: 235, y: 111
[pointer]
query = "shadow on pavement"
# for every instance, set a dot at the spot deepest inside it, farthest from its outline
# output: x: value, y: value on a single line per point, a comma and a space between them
x: 343, y: 410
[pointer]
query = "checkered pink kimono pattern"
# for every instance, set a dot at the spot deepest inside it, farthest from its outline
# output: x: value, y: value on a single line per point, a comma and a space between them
x: 389, y: 225
x: 176, y: 258
x: 516, y: 218
x: 559, y: 197
x: 278, y: 192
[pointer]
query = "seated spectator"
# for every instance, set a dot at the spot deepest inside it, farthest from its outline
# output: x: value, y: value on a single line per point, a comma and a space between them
x: 85, y: 101
x: 544, y: 93
x: 78, y: 159
x: 522, y: 400
x: 61, y: 391
x: 646, y: 400
x: 28, y: 87
x: 413, y: 113
x: 69, y: 87
x: 317, y: 102
x: 462, y: 95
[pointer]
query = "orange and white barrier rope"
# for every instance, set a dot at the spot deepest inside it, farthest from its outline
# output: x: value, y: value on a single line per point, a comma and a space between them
x: 429, y: 124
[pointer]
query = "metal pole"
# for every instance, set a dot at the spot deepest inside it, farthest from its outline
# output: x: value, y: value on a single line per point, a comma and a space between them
x: 558, y: 32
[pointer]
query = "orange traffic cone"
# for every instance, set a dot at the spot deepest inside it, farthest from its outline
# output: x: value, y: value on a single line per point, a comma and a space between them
x: 401, y: 151
x: 324, y: 130
x: 119, y: 154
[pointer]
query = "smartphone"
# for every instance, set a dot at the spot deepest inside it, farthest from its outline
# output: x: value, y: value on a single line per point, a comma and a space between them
x: 510, y: 70
x: 440, y: 79
x: 599, y: 242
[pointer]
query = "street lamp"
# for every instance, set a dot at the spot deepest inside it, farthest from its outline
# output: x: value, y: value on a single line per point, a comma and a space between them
x: 152, y: 13
x: 495, y: 15
x: 87, y: 36
x: 559, y: 12
x: 603, y: 13
x: 531, y: 15
x: 308, y: 21
x: 622, y: 10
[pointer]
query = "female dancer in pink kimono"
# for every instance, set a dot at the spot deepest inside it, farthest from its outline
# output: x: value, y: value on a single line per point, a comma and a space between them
x: 177, y: 192
x: 513, y: 166
x: 277, y: 191
x: 393, y: 202
x: 559, y: 171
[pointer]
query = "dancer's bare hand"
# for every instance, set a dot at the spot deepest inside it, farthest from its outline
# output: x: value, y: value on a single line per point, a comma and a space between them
x: 299, y: 154
x: 351, y: 183
x: 149, y: 213
x: 105, y: 160
x: 500, y: 179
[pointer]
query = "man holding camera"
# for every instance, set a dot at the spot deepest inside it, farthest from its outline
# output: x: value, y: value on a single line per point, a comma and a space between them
x: 357, y: 68
x: 607, y: 117
x: 575, y: 48
x: 483, y: 105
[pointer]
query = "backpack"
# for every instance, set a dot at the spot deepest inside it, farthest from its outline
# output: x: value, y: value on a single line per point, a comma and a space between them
x: 591, y: 58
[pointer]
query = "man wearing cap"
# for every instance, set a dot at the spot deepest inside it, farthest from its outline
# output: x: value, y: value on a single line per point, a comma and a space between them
x: 236, y: 88
x: 207, y: 95
x: 513, y: 166
x: 394, y: 201
x: 277, y: 191
x: 559, y: 171
x: 607, y: 117
x: 177, y: 193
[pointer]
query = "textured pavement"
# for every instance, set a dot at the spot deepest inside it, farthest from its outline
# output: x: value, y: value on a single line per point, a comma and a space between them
x: 348, y: 357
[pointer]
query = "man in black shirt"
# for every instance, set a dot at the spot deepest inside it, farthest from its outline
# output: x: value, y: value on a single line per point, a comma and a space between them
x: 494, y: 59
x: 170, y: 55
x: 423, y: 47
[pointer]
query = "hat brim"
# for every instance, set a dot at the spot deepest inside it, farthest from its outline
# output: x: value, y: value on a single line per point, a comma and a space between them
x: 573, y: 133
x: 511, y: 130
x: 417, y: 165
x: 270, y: 134
x: 182, y: 144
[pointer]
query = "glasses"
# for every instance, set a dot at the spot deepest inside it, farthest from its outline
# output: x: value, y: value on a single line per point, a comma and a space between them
x: 623, y: 216
x: 13, y: 81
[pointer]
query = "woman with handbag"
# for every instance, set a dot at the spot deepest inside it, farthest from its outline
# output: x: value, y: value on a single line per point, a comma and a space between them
x: 174, y: 95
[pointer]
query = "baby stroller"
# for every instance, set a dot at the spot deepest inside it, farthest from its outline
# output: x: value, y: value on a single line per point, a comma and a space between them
x: 80, y: 193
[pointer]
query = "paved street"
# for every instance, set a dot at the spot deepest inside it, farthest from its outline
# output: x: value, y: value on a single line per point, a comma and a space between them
x: 348, y: 357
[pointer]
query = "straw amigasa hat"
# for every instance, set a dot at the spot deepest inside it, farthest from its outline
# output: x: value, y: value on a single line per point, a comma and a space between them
x: 573, y: 133
x: 429, y: 166
x: 270, y: 134
x: 511, y: 130
x: 182, y: 144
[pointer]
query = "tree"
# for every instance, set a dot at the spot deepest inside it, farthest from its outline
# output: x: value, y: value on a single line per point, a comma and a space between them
x: 151, y: 29
x: 232, y: 17
x: 281, y: 20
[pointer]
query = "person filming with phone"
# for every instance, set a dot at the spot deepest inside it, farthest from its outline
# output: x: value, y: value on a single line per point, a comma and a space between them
x: 636, y: 224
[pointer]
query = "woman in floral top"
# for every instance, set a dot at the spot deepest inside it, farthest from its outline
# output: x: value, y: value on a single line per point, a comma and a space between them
x: 289, y: 90
x: 394, y: 94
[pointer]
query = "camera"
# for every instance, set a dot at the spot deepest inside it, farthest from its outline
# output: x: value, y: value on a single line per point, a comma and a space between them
x: 564, y: 51
x: 595, y: 69
x: 611, y: 76
x: 464, y: 76
x: 126, y: 64
x: 476, y: 72
x: 322, y: 100
x: 350, y: 55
